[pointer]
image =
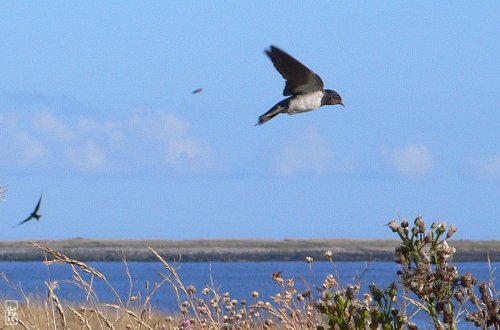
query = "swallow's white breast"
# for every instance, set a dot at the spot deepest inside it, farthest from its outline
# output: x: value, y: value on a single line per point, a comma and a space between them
x: 307, y: 102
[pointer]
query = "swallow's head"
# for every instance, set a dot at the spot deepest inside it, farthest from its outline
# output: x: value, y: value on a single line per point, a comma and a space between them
x: 331, y: 98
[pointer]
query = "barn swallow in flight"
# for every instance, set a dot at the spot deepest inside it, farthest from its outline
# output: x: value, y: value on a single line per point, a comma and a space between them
x: 199, y: 90
x: 304, y: 87
x: 34, y: 214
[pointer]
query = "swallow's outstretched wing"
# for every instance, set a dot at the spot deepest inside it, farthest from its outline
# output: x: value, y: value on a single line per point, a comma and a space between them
x: 299, y: 78
x: 24, y: 221
x: 37, y: 207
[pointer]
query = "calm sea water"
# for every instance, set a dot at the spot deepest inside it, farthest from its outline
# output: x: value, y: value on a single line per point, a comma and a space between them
x: 237, y: 278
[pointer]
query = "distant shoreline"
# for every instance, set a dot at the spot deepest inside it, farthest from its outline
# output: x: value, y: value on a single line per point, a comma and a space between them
x: 233, y: 250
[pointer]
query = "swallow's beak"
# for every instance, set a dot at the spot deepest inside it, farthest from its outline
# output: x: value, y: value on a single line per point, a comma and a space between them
x: 342, y: 104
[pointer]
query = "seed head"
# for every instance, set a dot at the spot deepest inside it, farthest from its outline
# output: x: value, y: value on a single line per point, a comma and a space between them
x: 191, y: 289
x: 330, y: 282
x: 468, y: 280
x: 269, y: 323
x: 350, y: 292
x: 419, y: 221
x: 392, y: 290
x: 451, y: 230
x: 428, y: 238
x: 441, y: 228
x: 412, y: 326
x: 459, y: 296
x: 394, y: 225
x: 278, y: 277
x: 306, y: 294
x: 376, y: 292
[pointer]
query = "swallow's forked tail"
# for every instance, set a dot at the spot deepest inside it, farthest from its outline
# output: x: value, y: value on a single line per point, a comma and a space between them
x: 277, y: 109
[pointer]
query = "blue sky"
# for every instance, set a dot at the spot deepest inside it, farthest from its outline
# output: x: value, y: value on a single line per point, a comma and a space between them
x: 96, y: 112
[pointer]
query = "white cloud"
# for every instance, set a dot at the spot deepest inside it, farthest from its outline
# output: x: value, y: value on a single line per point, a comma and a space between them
x: 159, y: 125
x: 31, y: 149
x: 412, y: 160
x: 87, y: 158
x: 307, y: 151
x: 171, y: 135
x: 487, y: 168
x: 145, y: 140
x: 111, y: 130
x: 47, y: 123
x: 17, y: 146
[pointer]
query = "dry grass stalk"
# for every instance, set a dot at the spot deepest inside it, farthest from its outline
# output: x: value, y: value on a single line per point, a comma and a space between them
x: 26, y: 312
x: 52, y: 297
x: 86, y: 286
x: 47, y: 315
x: 213, y: 290
x: 83, y: 320
x: 129, y: 276
x: 62, y: 259
x: 24, y: 325
x: 137, y: 318
x: 101, y: 317
x: 177, y: 283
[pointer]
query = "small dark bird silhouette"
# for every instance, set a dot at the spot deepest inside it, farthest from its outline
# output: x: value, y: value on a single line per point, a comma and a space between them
x: 304, y: 86
x: 199, y: 90
x: 34, y: 214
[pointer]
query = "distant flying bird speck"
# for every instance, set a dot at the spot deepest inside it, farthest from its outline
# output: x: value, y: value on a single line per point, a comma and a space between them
x: 304, y: 86
x: 3, y: 189
x: 199, y: 90
x: 35, y: 214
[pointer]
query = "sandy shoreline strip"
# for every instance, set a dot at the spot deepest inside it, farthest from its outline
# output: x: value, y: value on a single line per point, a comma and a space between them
x: 233, y: 249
